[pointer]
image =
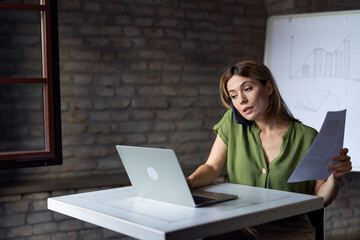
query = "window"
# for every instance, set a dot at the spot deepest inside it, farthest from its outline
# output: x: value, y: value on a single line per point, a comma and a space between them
x: 30, y: 131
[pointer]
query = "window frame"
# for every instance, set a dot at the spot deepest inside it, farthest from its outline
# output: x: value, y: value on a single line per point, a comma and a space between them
x: 52, y: 154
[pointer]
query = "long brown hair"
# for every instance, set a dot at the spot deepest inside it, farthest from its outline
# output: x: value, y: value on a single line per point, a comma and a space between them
x: 257, y: 71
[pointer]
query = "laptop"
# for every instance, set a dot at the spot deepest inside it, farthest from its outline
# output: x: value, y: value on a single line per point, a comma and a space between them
x: 156, y: 174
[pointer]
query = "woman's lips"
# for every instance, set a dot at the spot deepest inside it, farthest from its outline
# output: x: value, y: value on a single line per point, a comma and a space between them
x: 247, y: 110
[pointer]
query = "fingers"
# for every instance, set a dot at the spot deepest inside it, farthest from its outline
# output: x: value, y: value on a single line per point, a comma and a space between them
x: 341, y: 158
x: 189, y: 182
x: 343, y: 151
x: 342, y: 155
x: 343, y: 164
x: 341, y: 167
x: 340, y: 173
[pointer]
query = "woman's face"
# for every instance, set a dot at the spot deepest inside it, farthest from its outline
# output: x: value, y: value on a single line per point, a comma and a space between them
x: 250, y: 97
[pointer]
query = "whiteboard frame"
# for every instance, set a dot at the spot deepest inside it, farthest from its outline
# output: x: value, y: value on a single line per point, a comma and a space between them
x: 269, y: 38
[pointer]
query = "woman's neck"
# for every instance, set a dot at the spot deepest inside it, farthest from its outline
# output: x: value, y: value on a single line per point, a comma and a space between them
x: 270, y: 125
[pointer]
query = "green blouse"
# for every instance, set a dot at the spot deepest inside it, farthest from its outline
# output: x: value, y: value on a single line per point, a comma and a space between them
x: 246, y: 163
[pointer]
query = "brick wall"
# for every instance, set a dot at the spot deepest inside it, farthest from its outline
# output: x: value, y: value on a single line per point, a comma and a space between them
x: 146, y: 73
x: 26, y: 216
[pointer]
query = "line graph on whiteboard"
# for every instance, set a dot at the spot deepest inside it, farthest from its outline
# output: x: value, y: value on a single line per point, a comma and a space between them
x: 316, y: 100
x: 324, y: 63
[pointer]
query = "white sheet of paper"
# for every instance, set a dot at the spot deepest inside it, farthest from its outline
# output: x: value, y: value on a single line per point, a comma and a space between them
x: 330, y: 139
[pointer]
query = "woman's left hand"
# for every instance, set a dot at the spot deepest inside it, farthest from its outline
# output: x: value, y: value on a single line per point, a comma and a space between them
x: 343, y: 165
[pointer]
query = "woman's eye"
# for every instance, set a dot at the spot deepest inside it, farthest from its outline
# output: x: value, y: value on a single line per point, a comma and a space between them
x: 233, y: 96
x: 248, y: 89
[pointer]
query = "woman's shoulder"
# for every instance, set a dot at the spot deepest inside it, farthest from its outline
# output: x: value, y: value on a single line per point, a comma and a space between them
x: 304, y: 129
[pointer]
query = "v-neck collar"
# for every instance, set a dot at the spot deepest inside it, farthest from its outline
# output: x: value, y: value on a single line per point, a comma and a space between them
x: 257, y: 131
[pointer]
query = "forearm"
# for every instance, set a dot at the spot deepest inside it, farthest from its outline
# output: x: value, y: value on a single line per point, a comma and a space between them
x: 209, y: 171
x: 203, y: 176
x: 328, y: 190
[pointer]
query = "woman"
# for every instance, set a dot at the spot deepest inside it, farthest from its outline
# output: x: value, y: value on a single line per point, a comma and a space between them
x: 262, y: 143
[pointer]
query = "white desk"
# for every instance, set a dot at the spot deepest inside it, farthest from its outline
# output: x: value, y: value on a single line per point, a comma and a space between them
x: 121, y: 211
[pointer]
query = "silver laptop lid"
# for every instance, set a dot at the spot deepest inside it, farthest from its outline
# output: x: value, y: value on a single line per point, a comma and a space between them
x: 156, y: 174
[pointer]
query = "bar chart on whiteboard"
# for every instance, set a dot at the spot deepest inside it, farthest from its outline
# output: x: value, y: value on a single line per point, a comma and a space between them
x: 315, y: 61
x: 324, y: 63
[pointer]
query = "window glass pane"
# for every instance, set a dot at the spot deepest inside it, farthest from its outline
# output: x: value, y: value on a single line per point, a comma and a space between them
x: 21, y: 117
x: 20, y: 44
x: 37, y: 2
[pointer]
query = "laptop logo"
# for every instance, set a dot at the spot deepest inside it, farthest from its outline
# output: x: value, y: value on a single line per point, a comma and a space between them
x: 152, y: 173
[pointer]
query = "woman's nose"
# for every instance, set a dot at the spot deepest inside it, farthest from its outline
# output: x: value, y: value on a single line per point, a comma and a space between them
x: 243, y: 99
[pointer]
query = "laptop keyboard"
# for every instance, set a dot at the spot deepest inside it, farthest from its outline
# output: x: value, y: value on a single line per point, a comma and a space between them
x: 200, y: 199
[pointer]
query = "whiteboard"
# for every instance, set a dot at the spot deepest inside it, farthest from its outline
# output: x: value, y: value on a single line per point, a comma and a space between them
x: 315, y: 59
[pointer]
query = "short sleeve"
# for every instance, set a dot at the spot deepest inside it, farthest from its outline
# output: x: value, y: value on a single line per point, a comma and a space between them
x: 222, y: 128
